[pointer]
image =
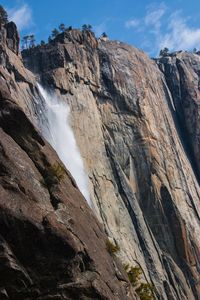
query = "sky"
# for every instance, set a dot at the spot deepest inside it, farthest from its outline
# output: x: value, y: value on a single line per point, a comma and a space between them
x: 146, y: 24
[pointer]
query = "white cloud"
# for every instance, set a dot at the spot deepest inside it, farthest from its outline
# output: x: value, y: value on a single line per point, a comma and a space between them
x: 164, y: 29
x: 22, y: 16
x: 180, y: 35
x: 132, y: 23
x: 99, y: 29
x: 154, y: 16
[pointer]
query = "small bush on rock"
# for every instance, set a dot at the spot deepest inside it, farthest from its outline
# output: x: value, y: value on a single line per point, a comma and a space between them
x: 112, y: 248
x: 57, y: 171
x: 145, y: 291
x: 54, y: 174
x: 134, y: 274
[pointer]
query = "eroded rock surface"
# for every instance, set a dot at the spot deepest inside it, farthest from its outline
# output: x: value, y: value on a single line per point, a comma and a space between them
x: 182, y: 73
x: 51, y: 244
x: 142, y: 180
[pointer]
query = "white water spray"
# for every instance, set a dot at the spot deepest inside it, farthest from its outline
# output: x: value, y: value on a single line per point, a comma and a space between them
x: 58, y: 132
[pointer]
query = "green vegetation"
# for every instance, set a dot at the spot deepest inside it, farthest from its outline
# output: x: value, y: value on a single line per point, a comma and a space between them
x: 134, y: 274
x: 112, y: 248
x: 28, y: 41
x: 54, y: 174
x: 57, y: 171
x: 62, y: 27
x: 104, y: 35
x: 49, y: 39
x: 54, y: 33
x: 87, y: 28
x: 144, y: 290
x: 3, y: 16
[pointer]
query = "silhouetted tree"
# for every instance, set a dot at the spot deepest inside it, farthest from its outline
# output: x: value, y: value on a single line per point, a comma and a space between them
x: 164, y: 52
x: 49, y: 39
x: 195, y: 50
x: 3, y: 16
x: 87, y: 27
x: 32, y: 41
x: 25, y: 41
x: 62, y: 27
x: 42, y: 43
x: 54, y: 33
x: 84, y: 27
x: 104, y: 35
x: 69, y: 28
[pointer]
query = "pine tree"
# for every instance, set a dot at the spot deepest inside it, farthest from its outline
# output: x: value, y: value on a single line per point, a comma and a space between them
x: 32, y: 40
x: 25, y: 41
x: 164, y: 52
x: 62, y: 27
x: 54, y: 33
x: 3, y: 16
x: 87, y: 27
x: 104, y: 35
x: 42, y: 43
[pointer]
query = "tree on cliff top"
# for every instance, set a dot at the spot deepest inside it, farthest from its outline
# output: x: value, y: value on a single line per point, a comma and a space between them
x: 25, y: 42
x: 164, y: 52
x: 62, y: 27
x: 32, y: 40
x: 3, y: 16
x: 54, y: 33
x: 104, y: 35
x: 87, y: 27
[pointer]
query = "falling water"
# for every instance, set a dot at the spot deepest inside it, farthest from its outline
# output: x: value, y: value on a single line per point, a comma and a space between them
x: 58, y: 132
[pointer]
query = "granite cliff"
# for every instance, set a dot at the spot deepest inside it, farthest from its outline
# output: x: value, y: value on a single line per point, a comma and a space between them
x: 51, y: 244
x: 136, y: 122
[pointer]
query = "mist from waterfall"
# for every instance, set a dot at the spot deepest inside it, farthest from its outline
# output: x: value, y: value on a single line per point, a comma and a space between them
x: 56, y: 129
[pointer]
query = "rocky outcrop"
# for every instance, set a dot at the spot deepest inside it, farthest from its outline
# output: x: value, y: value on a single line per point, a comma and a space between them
x: 182, y: 73
x: 142, y: 180
x: 51, y: 244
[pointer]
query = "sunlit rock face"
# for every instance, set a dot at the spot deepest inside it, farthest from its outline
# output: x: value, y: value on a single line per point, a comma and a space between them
x: 141, y: 163
x: 182, y: 72
x: 51, y: 244
x: 143, y: 183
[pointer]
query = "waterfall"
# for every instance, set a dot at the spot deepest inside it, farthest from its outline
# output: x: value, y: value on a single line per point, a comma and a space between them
x: 56, y: 129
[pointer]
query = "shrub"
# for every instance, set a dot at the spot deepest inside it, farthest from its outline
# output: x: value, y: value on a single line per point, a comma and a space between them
x: 134, y: 274
x: 54, y: 174
x: 57, y: 170
x: 145, y: 291
x: 112, y: 248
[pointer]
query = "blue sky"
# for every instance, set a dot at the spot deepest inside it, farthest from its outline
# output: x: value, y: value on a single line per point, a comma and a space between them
x: 145, y: 24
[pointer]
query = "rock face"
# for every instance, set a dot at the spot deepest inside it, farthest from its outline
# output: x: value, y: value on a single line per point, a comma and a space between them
x: 182, y: 73
x: 142, y: 182
x: 51, y: 244
x: 132, y: 125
